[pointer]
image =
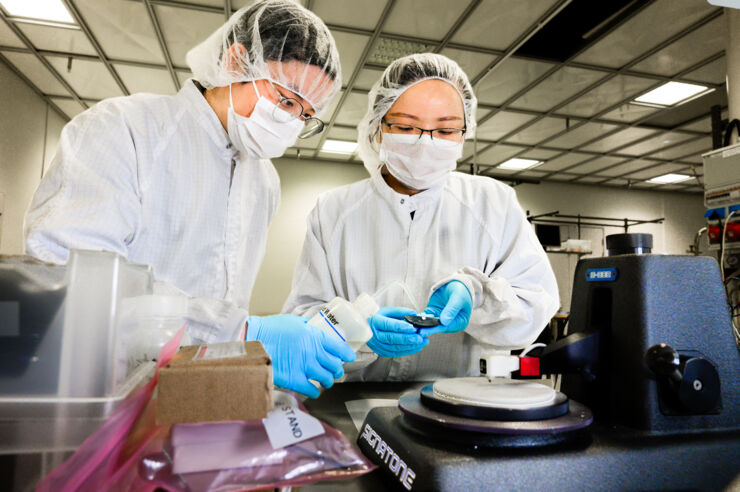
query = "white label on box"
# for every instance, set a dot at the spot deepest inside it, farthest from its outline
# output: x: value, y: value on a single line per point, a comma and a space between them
x: 225, y: 350
x: 286, y: 424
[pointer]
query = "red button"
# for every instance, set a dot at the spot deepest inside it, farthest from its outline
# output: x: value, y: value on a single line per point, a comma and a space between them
x: 529, y: 366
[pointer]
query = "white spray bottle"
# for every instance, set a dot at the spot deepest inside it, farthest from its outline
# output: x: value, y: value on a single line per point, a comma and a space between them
x: 348, y: 320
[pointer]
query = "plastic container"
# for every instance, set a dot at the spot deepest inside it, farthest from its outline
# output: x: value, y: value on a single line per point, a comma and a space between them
x: 347, y: 320
x: 577, y: 245
x: 147, y: 323
x: 62, y: 361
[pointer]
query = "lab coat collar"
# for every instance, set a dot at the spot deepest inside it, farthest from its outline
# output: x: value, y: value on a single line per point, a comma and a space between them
x: 205, y: 115
x: 424, y: 199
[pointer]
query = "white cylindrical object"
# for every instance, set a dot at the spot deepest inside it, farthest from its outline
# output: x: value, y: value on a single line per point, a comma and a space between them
x: 732, y: 53
x: 346, y: 320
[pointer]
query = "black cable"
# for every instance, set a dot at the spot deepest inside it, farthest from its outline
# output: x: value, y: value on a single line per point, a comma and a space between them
x: 734, y: 124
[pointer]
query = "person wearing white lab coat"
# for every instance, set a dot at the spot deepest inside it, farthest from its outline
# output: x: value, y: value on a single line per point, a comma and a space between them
x: 184, y: 182
x: 460, y: 243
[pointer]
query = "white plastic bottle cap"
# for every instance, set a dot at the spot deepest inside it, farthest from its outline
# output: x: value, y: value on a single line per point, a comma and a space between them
x: 365, y: 305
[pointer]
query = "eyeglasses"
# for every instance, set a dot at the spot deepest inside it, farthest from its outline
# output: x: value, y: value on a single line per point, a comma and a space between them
x: 437, y: 134
x: 292, y: 109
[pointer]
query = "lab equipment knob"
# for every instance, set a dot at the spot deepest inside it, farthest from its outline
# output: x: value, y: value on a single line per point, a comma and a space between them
x: 664, y: 361
x: 693, y: 380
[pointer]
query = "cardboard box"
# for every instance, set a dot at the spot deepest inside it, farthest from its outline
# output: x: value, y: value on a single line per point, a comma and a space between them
x: 214, y: 383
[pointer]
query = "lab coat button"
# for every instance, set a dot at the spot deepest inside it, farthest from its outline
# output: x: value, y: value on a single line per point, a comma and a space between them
x: 403, y: 200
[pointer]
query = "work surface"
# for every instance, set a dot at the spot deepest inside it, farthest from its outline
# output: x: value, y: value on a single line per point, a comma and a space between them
x: 610, y: 459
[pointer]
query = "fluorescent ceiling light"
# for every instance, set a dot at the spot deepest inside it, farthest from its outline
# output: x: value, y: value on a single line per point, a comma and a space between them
x: 672, y: 93
x: 339, y: 147
x: 49, y: 10
x: 669, y: 178
x: 519, y: 164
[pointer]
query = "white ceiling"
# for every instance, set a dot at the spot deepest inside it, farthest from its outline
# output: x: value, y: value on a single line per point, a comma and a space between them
x: 575, y: 115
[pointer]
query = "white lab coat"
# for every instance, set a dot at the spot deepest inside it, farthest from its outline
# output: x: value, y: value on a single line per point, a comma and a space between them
x: 156, y: 179
x: 362, y: 237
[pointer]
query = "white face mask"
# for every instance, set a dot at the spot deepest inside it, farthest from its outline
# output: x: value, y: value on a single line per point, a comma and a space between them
x: 418, y: 162
x: 260, y: 135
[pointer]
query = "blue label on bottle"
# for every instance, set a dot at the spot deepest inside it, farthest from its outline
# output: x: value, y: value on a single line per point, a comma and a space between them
x: 601, y: 274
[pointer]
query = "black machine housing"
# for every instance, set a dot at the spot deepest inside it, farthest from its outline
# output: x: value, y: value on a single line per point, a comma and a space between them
x: 676, y: 308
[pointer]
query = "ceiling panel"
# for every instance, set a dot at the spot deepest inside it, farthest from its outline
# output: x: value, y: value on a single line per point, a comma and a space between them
x: 687, y: 51
x: 702, y: 125
x: 367, y: 78
x: 422, y: 19
x: 655, y: 143
x: 627, y: 167
x: 471, y: 62
x: 532, y: 174
x: 617, y: 182
x: 350, y: 47
x: 692, y: 149
x: 210, y: 3
x: 183, y: 77
x: 334, y: 156
x: 539, y: 154
x: 498, y: 23
x: 611, y: 92
x: 629, y: 113
x: 353, y: 109
x: 36, y: 72
x: 508, y: 79
x: 468, y: 148
x: 580, y: 135
x: 712, y: 73
x: 123, y: 29
x: 138, y: 79
x: 364, y: 15
x: 588, y: 179
x: 498, y: 171
x: 308, y: 143
x: 556, y: 88
x: 70, y: 107
x: 537, y: 132
x: 8, y: 37
x: 185, y: 28
x: 57, y: 39
x: 653, y: 25
x: 643, y: 185
x: 497, y: 154
x: 619, y: 139
x: 595, y: 165
x: 564, y: 161
x: 562, y: 177
x: 501, y: 123
x: 349, y: 134
x: 658, y: 170
x: 90, y: 79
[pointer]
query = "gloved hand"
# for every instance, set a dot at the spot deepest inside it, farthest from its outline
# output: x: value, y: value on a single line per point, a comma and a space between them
x: 392, y: 336
x: 299, y: 352
x: 452, y: 304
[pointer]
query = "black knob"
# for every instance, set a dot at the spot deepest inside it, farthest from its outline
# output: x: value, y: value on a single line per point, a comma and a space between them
x: 664, y: 361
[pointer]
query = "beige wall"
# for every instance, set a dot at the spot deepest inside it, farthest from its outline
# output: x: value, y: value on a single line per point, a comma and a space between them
x: 301, y: 182
x: 29, y: 132
x: 683, y: 215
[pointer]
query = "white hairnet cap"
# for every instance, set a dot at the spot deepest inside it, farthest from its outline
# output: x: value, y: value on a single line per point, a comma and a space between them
x: 399, y: 76
x: 271, y: 31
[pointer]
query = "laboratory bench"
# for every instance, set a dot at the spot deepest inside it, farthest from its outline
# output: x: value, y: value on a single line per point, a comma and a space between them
x: 606, y: 459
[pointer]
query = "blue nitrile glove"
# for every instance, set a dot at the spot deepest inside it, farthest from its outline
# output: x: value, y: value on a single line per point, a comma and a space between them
x: 299, y: 352
x: 392, y: 336
x: 452, y: 304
